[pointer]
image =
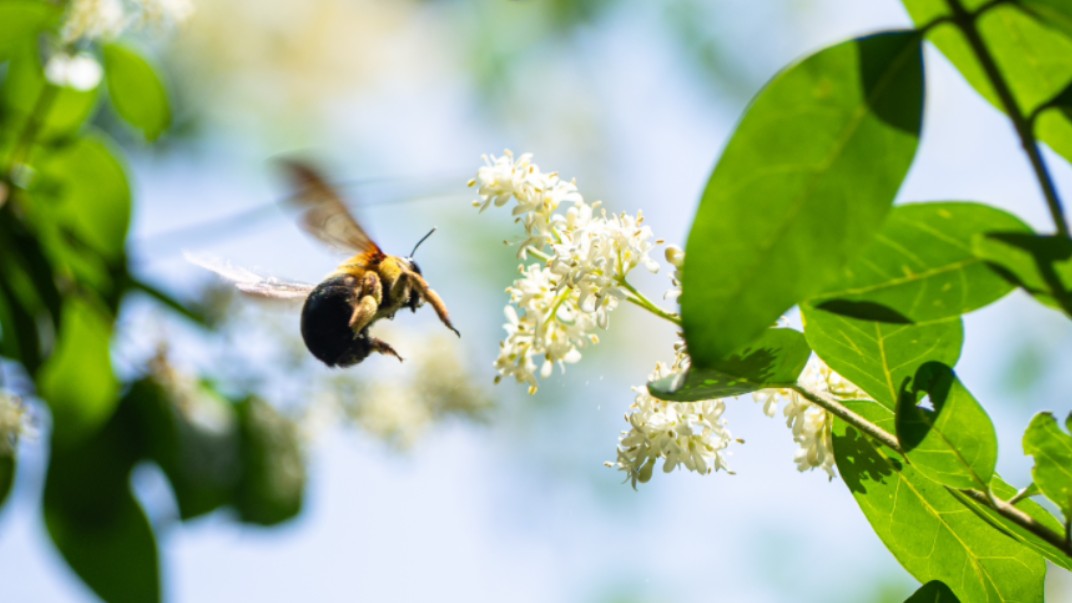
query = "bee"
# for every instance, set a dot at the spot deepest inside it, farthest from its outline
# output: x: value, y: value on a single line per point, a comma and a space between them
x: 369, y: 286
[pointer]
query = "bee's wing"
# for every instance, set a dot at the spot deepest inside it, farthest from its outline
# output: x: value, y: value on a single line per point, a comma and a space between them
x: 250, y: 282
x: 324, y: 214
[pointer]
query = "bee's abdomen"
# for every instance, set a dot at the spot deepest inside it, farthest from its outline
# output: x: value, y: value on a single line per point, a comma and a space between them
x: 325, y: 323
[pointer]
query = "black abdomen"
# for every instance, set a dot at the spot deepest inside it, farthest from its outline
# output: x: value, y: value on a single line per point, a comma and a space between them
x: 325, y: 323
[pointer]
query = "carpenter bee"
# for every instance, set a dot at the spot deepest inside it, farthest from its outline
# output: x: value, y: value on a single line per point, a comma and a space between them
x: 370, y: 285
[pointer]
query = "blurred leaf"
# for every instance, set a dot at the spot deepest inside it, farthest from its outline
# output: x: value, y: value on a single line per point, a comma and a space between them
x: 7, y: 475
x: 89, y: 184
x: 78, y: 382
x: 273, y: 479
x: 926, y: 527
x: 136, y: 90
x: 1054, y: 13
x: 954, y: 443
x: 25, y: 93
x: 934, y: 591
x: 1039, y: 264
x: 802, y: 186
x: 1052, y: 449
x: 1013, y: 529
x: 194, y: 441
x: 30, y: 302
x: 94, y: 520
x: 880, y: 357
x: 1035, y: 60
x: 774, y: 360
x: 921, y: 265
x: 195, y: 314
x: 22, y: 19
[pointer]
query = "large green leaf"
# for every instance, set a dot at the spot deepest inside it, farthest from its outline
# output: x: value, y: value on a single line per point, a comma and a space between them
x: 921, y: 266
x: 78, y: 382
x: 1052, y: 449
x: 1035, y: 59
x: 881, y: 357
x: 1055, y: 13
x: 94, y: 519
x: 20, y: 20
x: 1039, y: 264
x: 953, y: 442
x: 803, y: 185
x: 136, y: 90
x: 7, y: 474
x: 774, y: 360
x: 273, y: 480
x: 926, y: 527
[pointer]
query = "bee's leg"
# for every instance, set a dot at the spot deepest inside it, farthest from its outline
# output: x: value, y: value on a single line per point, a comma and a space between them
x: 381, y: 346
x: 369, y: 297
x: 433, y: 298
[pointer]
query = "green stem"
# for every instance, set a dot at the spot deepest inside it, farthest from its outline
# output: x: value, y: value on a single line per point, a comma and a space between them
x: 638, y: 298
x: 966, y: 21
x: 34, y: 122
x: 842, y: 412
x: 1007, y: 510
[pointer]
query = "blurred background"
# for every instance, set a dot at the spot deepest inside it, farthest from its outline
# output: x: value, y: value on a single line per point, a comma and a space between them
x: 494, y: 494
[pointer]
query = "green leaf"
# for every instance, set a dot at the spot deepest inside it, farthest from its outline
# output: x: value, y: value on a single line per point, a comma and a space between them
x: 273, y: 481
x: 95, y: 521
x: 1034, y: 510
x: 1035, y: 60
x: 921, y: 266
x: 934, y: 591
x: 78, y: 382
x: 1039, y: 264
x: 24, y: 88
x: 92, y: 196
x: 880, y: 357
x: 193, y: 437
x: 954, y: 443
x: 1052, y: 449
x: 926, y: 527
x: 7, y: 475
x: 20, y: 20
x: 803, y: 184
x: 136, y: 90
x: 774, y: 360
x: 1055, y: 13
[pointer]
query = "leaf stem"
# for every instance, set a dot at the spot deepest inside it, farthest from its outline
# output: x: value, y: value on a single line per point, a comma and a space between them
x: 842, y: 412
x: 966, y: 22
x: 638, y: 298
x: 1006, y: 509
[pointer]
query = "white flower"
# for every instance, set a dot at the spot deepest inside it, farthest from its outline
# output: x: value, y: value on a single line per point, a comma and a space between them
x: 79, y: 71
x: 675, y: 256
x: 15, y: 422
x: 811, y: 424
x: 90, y: 20
x: 94, y: 20
x: 557, y: 305
x: 692, y: 435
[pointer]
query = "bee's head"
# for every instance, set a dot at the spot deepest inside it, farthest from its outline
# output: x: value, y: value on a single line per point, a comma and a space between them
x: 413, y: 265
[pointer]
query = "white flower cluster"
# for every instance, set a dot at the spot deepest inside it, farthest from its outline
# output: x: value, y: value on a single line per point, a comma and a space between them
x: 692, y: 435
x: 555, y: 306
x: 811, y: 424
x: 15, y: 422
x: 89, y: 20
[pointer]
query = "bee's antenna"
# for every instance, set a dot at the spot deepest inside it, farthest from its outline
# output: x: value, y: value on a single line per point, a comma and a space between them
x: 412, y: 253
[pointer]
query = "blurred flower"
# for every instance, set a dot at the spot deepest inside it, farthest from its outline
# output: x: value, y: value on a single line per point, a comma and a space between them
x: 688, y: 434
x: 91, y: 20
x: 79, y: 71
x: 587, y: 255
x: 811, y: 424
x: 675, y: 256
x: 94, y: 20
x: 15, y: 422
